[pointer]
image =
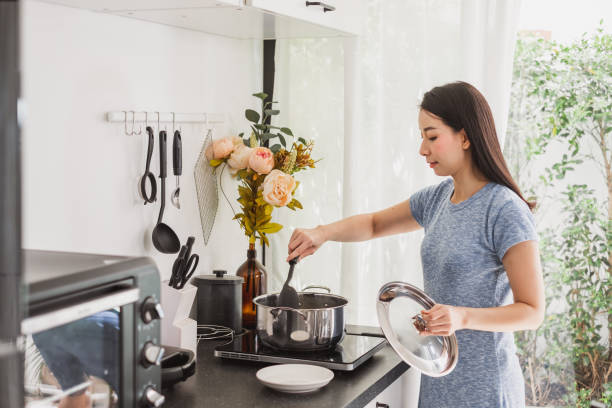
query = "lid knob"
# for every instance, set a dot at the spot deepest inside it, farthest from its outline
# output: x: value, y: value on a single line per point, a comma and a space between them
x: 219, y: 273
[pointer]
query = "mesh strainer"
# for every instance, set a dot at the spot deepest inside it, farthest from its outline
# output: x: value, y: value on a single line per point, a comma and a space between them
x: 206, y: 189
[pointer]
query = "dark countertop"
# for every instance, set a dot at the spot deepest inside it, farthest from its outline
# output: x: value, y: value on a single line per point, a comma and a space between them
x: 221, y: 383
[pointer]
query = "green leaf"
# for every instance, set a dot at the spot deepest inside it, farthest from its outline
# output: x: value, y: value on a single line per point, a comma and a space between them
x: 286, y: 131
x: 245, y: 192
x: 261, y: 95
x: 263, y: 221
x: 266, y: 136
x: 270, y: 228
x: 275, y: 148
x: 253, y: 140
x: 271, y: 112
x: 248, y: 226
x: 268, y: 209
x: 297, y: 204
x: 302, y: 140
x: 251, y: 115
x: 282, y: 139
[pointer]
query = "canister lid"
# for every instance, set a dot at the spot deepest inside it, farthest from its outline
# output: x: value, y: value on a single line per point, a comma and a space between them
x: 219, y: 277
x: 399, y: 308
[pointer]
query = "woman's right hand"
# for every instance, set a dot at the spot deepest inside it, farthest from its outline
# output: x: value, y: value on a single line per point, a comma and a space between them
x: 305, y: 242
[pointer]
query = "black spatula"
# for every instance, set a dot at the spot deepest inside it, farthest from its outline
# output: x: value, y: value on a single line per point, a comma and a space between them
x: 288, y: 296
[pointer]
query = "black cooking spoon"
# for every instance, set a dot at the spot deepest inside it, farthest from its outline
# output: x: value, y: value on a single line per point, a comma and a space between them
x: 288, y: 296
x: 164, y: 238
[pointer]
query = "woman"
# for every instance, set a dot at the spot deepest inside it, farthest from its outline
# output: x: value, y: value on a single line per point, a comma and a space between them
x: 479, y: 254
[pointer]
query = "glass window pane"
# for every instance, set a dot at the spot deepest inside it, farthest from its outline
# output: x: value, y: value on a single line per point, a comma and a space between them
x: 74, y: 365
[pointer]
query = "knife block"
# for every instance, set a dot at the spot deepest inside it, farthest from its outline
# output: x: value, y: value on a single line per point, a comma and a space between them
x: 177, y: 329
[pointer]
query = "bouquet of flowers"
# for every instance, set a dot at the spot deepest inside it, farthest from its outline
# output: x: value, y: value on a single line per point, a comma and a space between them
x: 265, y: 174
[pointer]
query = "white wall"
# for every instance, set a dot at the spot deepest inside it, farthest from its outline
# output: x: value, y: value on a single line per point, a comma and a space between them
x: 80, y: 172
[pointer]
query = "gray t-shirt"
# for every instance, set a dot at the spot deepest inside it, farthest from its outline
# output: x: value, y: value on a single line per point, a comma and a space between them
x: 461, y: 255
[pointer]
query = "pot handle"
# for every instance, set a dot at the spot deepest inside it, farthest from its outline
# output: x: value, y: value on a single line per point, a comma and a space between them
x: 317, y: 287
x: 288, y: 309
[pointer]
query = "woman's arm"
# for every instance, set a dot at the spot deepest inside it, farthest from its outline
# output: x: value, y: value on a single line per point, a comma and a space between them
x: 362, y: 227
x: 522, y: 264
x: 392, y: 220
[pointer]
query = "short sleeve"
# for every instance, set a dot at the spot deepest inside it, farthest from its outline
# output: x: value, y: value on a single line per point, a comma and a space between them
x: 419, y: 204
x: 514, y: 224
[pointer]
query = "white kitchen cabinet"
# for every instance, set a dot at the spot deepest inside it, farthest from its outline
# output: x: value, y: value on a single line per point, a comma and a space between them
x: 391, y: 397
x: 134, y: 5
x: 346, y: 16
x: 241, y: 19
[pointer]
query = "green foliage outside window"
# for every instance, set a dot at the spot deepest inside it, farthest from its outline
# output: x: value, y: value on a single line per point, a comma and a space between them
x: 560, y: 114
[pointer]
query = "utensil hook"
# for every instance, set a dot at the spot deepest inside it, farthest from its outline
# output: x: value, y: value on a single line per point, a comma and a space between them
x: 125, y: 125
x: 207, y: 125
x: 173, y: 123
x: 180, y: 129
x: 133, y: 126
x: 146, y: 119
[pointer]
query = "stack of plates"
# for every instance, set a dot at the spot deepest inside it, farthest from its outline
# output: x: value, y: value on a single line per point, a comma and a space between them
x: 295, y: 378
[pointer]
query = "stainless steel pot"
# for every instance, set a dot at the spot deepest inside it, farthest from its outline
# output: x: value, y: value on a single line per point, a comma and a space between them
x: 318, y: 323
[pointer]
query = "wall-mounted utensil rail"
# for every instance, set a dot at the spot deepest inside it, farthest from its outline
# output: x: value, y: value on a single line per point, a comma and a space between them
x: 166, y: 117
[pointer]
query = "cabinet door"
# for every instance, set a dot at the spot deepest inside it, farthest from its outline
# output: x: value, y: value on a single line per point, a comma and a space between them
x: 348, y: 15
x: 391, y: 397
x: 121, y: 5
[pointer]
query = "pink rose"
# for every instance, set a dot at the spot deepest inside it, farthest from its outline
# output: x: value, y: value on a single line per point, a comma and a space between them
x: 219, y: 149
x: 237, y: 141
x: 239, y: 158
x: 277, y: 188
x: 261, y: 160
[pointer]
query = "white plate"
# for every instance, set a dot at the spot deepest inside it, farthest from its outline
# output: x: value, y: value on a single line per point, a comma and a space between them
x: 295, y: 378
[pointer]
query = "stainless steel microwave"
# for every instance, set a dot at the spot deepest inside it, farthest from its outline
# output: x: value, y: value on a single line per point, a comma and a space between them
x: 91, y: 331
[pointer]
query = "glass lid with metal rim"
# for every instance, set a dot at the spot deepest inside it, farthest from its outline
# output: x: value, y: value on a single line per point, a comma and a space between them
x: 398, y: 307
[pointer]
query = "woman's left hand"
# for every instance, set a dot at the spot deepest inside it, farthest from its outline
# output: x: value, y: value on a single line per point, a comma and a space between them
x: 443, y: 320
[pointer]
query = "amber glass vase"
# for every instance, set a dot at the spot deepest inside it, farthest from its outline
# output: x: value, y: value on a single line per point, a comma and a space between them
x: 255, y: 283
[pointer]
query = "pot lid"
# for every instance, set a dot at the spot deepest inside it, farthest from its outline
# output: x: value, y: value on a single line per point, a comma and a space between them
x: 398, y: 307
x: 217, y: 278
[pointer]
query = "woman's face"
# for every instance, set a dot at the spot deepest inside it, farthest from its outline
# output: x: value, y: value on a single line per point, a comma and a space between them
x: 444, y: 149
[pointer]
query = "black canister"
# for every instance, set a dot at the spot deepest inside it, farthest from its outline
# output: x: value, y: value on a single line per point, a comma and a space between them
x: 219, y: 300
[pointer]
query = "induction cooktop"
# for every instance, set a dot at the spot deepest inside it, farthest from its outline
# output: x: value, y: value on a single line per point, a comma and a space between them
x: 347, y: 355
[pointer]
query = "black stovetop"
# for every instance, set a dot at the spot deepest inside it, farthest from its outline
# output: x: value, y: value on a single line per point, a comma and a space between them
x: 355, y: 348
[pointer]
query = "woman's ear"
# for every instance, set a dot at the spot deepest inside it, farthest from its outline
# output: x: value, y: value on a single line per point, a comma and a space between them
x: 465, y: 142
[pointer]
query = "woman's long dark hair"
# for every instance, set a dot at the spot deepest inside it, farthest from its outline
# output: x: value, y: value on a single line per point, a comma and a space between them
x: 461, y: 106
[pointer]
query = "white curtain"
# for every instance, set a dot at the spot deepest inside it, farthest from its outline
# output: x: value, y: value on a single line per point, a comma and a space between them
x: 370, y: 159
x: 309, y: 84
